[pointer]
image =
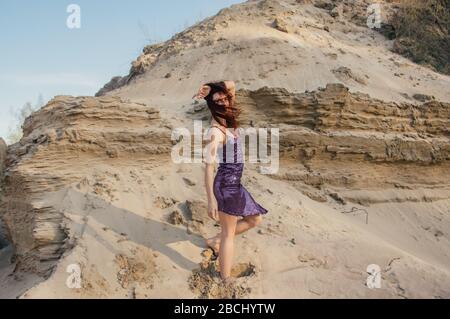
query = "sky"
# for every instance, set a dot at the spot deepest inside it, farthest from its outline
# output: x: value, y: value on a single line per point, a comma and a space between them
x: 41, y: 55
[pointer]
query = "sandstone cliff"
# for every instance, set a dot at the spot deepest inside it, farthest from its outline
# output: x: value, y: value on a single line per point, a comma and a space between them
x: 97, y: 171
x: 352, y: 141
x: 62, y: 144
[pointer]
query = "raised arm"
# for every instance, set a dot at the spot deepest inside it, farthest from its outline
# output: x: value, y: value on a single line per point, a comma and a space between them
x: 231, y: 86
x: 206, y: 88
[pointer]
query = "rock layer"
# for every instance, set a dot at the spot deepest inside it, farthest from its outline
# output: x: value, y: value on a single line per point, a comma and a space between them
x: 61, y: 142
x: 351, y: 140
x: 329, y: 139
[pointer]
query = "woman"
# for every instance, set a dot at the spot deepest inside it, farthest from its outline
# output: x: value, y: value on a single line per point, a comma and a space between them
x: 228, y: 200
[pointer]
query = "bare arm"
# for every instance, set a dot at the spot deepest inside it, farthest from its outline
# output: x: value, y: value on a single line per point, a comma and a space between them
x: 205, y: 89
x: 231, y: 86
x: 202, y: 92
x: 214, y: 138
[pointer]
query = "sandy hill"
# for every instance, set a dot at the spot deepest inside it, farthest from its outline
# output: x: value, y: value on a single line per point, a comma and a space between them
x: 363, y: 178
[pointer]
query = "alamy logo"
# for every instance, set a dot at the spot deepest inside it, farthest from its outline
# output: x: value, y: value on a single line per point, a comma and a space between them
x: 374, y: 278
x: 182, y: 151
x: 74, y: 279
x: 74, y: 19
x: 374, y: 18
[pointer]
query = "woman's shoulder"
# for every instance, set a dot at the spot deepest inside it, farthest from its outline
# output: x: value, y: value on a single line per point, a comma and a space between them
x: 214, y: 130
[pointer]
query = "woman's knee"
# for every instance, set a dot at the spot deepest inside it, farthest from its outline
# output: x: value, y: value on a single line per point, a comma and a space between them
x: 254, y: 220
x: 228, y: 225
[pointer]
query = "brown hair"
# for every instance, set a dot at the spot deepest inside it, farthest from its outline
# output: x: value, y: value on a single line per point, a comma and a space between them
x: 226, y: 116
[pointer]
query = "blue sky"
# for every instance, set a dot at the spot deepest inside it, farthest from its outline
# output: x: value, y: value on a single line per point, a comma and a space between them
x: 41, y: 55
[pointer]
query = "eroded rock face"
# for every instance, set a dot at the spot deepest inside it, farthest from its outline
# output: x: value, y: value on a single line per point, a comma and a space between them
x: 351, y: 140
x: 61, y: 142
x: 335, y: 108
x: 329, y: 138
x: 357, y: 11
x: 196, y: 36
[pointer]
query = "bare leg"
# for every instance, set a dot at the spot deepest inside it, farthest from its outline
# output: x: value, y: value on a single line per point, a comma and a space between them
x: 242, y: 225
x: 247, y: 222
x: 228, y: 223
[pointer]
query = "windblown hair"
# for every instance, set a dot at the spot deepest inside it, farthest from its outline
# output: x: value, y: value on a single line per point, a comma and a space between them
x: 226, y: 116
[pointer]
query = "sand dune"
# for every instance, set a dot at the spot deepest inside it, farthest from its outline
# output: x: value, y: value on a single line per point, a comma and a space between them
x: 363, y: 178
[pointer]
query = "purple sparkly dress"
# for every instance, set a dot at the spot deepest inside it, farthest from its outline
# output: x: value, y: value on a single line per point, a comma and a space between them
x: 232, y: 197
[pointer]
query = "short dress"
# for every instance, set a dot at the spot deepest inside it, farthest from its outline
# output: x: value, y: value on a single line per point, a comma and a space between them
x: 232, y: 197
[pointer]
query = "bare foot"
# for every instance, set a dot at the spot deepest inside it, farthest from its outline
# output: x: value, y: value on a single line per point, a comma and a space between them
x: 214, y: 244
x: 229, y: 281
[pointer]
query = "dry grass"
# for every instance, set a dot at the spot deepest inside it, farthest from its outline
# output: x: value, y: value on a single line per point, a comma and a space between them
x: 423, y: 32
